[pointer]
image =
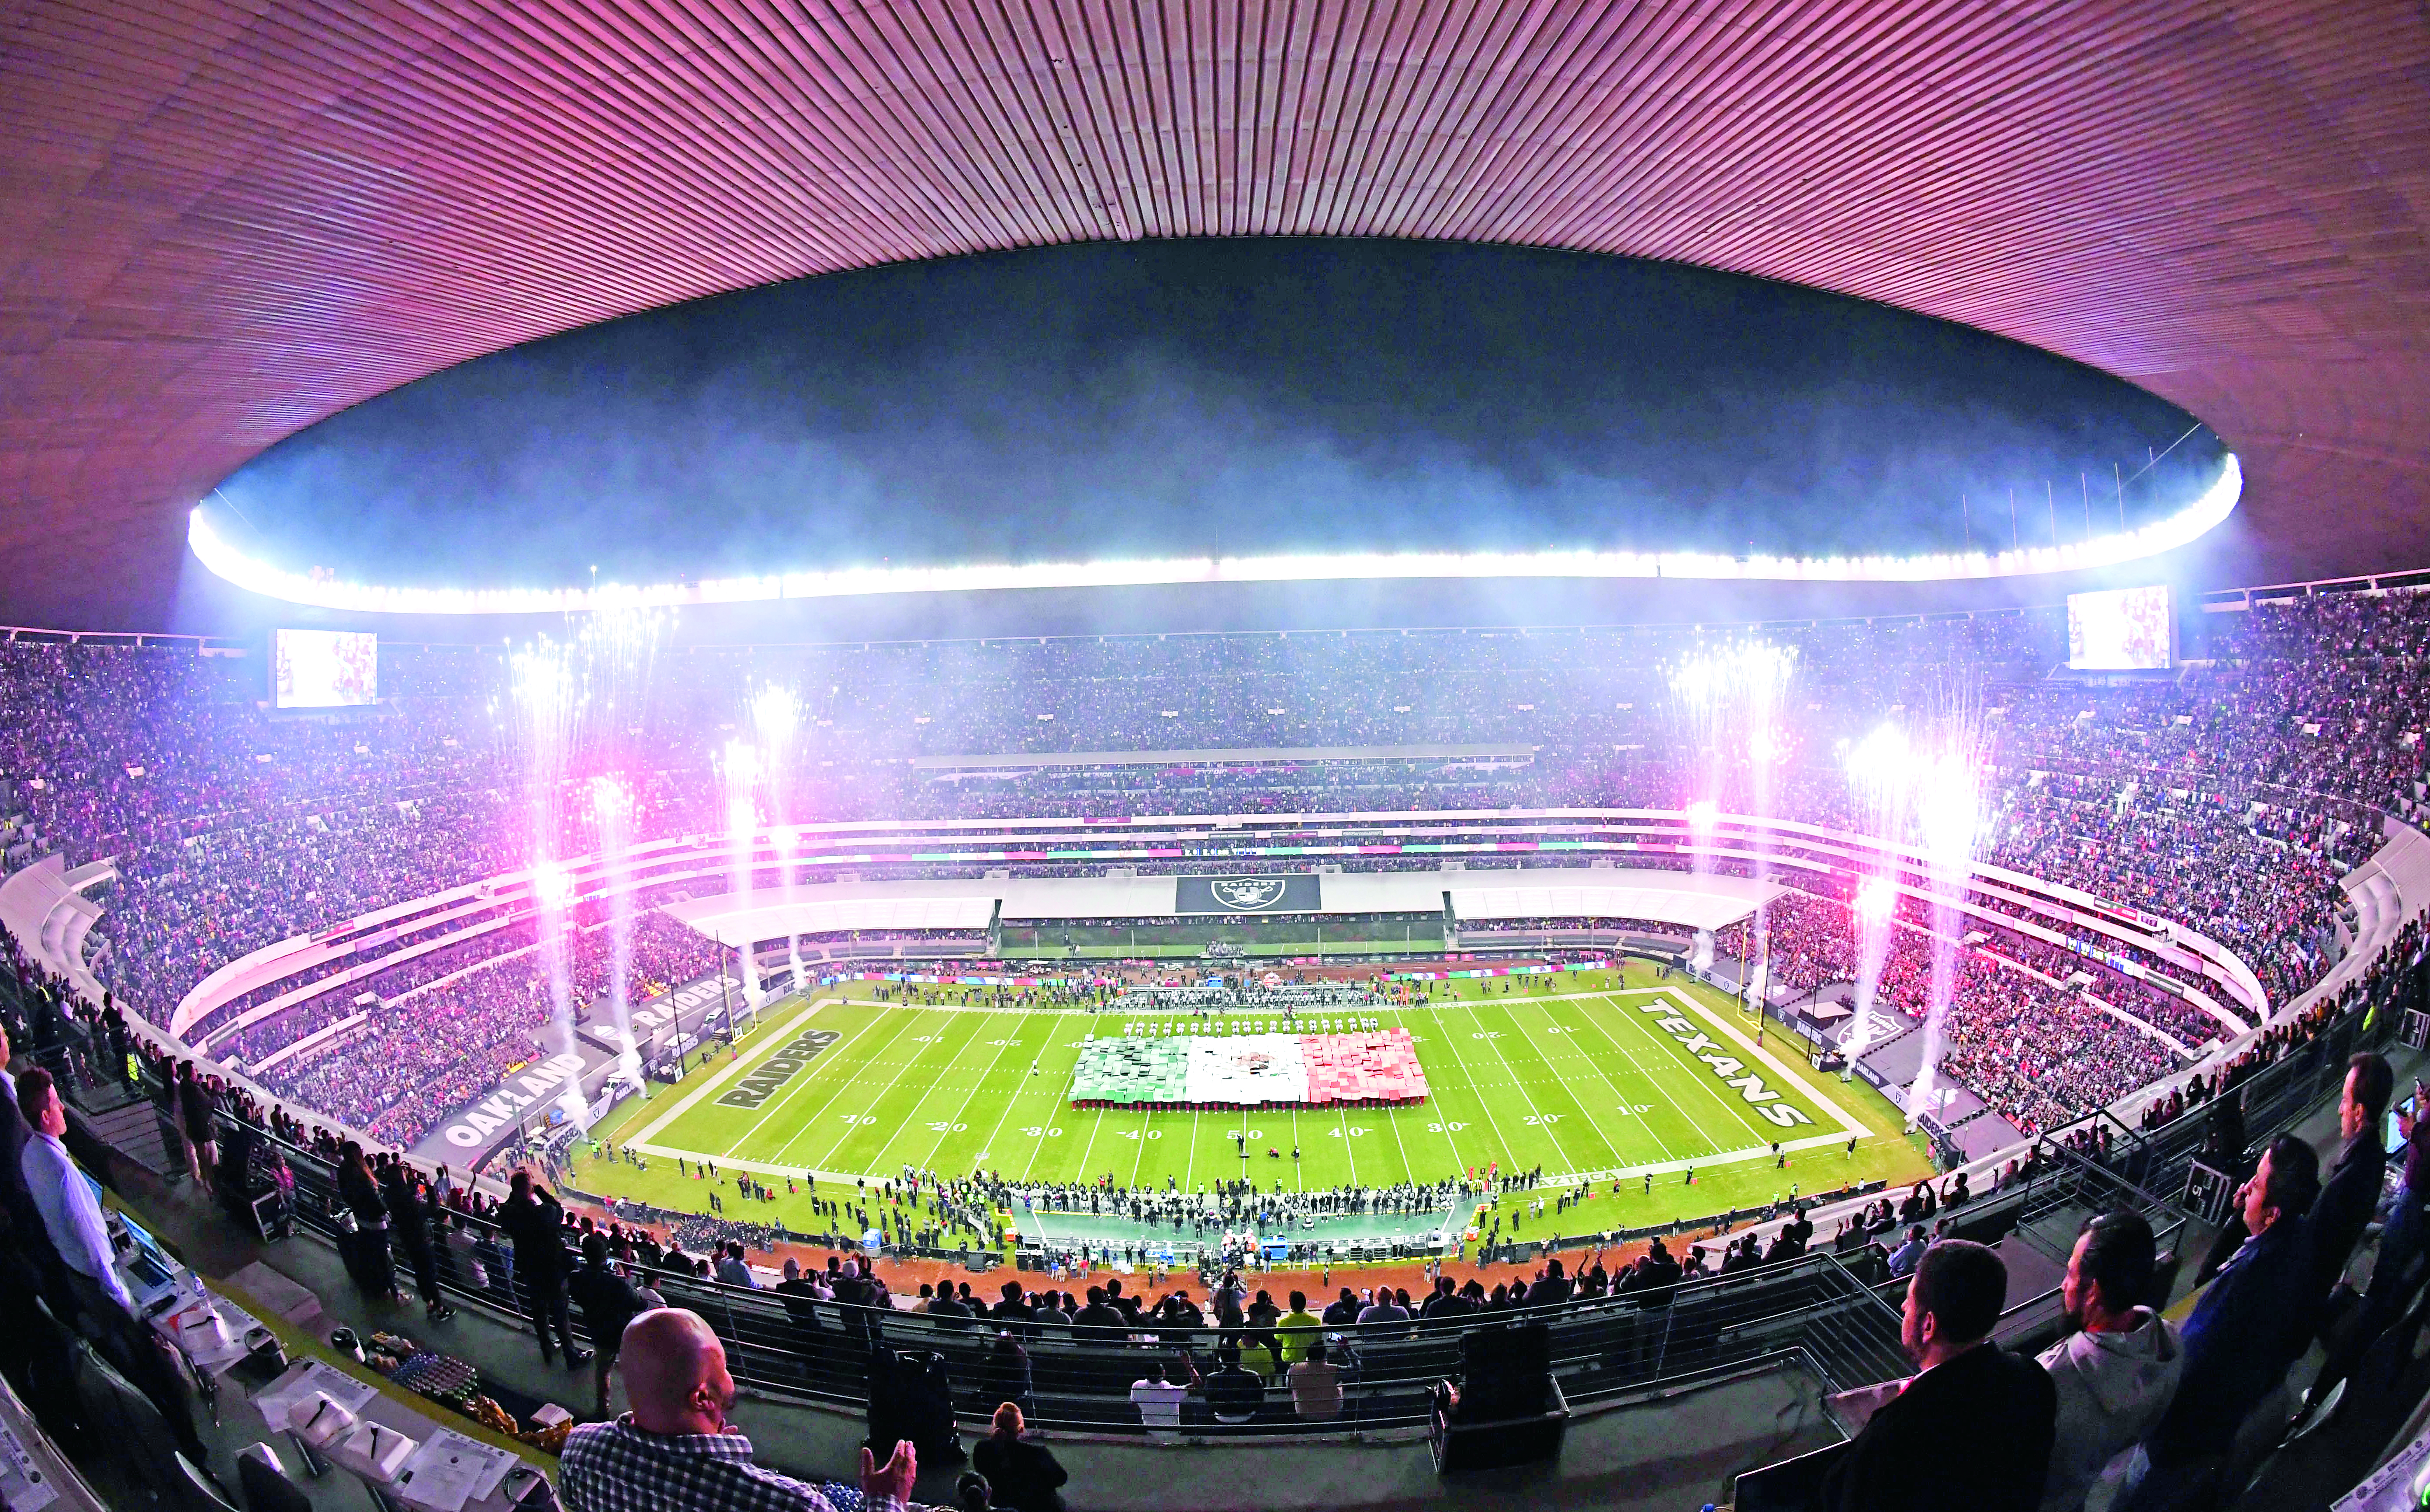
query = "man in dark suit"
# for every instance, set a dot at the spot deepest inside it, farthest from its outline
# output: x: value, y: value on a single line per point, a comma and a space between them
x: 535, y: 1220
x: 2349, y: 1191
x: 1551, y: 1288
x: 2244, y: 1332
x: 1973, y: 1429
x: 609, y: 1302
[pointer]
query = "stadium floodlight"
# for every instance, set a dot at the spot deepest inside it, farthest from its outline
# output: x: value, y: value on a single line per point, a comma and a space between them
x: 326, y: 591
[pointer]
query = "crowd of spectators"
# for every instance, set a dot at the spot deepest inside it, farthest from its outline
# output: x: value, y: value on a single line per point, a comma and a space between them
x: 2229, y: 798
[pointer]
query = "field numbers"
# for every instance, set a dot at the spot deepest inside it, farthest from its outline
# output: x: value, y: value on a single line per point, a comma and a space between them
x: 1134, y: 1134
x: 926, y: 1040
x: 1637, y: 1107
x: 950, y: 1128
x: 1485, y: 1034
x: 1039, y: 1130
x: 1556, y: 1028
x: 858, y: 1117
x: 1445, y: 1128
x: 1538, y: 1118
x: 1356, y: 1131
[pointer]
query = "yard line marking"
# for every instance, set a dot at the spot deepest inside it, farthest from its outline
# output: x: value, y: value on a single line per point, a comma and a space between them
x: 1086, y: 1149
x: 1506, y: 1070
x: 1011, y: 1042
x: 1474, y: 1090
x: 1392, y: 1119
x: 1630, y: 1055
x: 813, y: 1076
x: 1046, y: 1121
x: 1142, y: 1158
x: 1532, y: 1044
x: 878, y: 1099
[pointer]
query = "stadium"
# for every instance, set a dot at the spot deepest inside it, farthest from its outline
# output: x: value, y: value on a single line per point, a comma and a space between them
x: 1592, y: 759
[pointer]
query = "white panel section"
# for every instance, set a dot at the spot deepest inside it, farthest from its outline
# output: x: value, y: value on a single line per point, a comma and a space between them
x: 1250, y: 1068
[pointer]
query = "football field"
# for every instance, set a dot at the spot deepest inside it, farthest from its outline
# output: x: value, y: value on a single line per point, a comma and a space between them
x: 1603, y: 1077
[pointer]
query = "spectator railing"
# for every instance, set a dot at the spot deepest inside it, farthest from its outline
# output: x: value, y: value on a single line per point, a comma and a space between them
x: 1812, y: 1310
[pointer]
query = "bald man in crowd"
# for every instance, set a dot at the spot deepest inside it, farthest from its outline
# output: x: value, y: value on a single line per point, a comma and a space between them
x: 675, y: 1452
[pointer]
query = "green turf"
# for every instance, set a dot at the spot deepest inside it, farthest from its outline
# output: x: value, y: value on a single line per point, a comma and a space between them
x: 1577, y: 1078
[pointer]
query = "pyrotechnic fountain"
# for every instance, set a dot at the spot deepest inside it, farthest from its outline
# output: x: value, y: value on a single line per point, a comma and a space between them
x: 1876, y: 902
x: 738, y: 768
x: 611, y: 806
x: 775, y: 714
x: 1949, y: 813
x: 570, y: 701
x: 1881, y: 776
x: 548, y: 700
x: 1727, y: 702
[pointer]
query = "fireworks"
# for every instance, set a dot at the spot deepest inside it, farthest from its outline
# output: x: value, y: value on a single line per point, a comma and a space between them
x: 611, y: 806
x: 1727, y: 702
x: 1925, y: 792
x: 1876, y: 900
x: 573, y: 702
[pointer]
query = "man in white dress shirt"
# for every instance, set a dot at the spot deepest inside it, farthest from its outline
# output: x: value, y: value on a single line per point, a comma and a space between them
x: 71, y: 1218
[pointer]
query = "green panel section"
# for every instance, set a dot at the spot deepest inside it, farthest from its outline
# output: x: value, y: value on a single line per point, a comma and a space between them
x: 1129, y: 1071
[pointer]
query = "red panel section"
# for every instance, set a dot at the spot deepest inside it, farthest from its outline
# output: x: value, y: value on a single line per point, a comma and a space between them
x: 1375, y: 1066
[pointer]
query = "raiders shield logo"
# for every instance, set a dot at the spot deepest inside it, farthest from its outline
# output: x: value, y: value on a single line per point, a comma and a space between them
x: 1247, y: 893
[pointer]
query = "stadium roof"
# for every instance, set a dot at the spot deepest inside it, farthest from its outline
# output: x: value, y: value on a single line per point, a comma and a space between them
x: 223, y: 223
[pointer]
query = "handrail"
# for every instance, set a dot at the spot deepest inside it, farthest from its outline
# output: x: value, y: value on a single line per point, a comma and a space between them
x: 819, y: 1350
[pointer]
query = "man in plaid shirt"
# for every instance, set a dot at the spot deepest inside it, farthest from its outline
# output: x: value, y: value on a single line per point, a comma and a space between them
x: 675, y: 1451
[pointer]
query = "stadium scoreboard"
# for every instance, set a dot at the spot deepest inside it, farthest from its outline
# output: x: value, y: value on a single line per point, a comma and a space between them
x: 324, y: 669
x: 2124, y: 629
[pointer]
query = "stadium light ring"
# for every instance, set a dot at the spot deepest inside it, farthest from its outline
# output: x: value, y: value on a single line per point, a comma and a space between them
x: 322, y: 592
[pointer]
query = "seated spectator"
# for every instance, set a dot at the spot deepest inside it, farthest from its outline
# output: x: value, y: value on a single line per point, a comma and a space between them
x: 1316, y: 1384
x: 2241, y: 1335
x: 1299, y: 1329
x: 1234, y: 1392
x: 1344, y: 1312
x: 1973, y: 1428
x: 1005, y: 1373
x: 2116, y: 1375
x: 1158, y: 1400
x: 675, y: 1452
x: 1023, y: 1476
x: 1386, y: 1309
x: 735, y: 1270
x: 1903, y: 1259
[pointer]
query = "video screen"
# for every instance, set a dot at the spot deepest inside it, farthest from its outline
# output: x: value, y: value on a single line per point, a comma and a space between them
x: 2124, y: 629
x: 326, y: 669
